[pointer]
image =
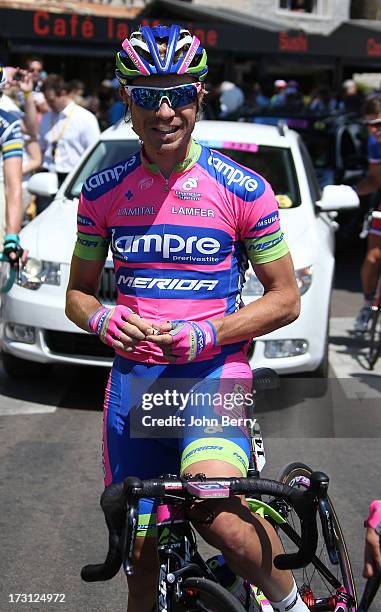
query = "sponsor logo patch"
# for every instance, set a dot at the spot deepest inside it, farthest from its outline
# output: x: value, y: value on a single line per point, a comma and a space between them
x: 82, y: 220
x: 137, y: 211
x: 192, y: 211
x: 188, y: 195
x: 171, y: 243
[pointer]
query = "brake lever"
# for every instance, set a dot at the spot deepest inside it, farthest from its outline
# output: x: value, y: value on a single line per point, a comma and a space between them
x: 132, y: 488
x: 328, y: 530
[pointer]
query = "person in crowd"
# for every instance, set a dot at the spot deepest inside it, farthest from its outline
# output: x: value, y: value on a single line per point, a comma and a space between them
x: 254, y: 95
x: 11, y: 149
x: 231, y: 98
x: 76, y: 92
x: 322, y: 100
x: 209, y: 344
x: 352, y: 100
x: 279, y: 97
x: 372, y: 551
x: 29, y: 124
x: 371, y: 184
x: 293, y: 96
x: 65, y: 131
x: 35, y: 67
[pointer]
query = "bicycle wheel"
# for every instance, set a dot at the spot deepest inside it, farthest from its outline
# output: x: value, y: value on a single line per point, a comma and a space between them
x: 322, y: 584
x: 374, y: 348
x: 201, y: 594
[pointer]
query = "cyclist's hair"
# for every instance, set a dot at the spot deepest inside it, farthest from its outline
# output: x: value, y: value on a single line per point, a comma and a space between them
x: 56, y: 83
x: 372, y: 105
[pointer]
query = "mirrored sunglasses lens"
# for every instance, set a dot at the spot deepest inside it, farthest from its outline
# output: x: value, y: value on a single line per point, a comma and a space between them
x: 182, y: 96
x: 146, y: 98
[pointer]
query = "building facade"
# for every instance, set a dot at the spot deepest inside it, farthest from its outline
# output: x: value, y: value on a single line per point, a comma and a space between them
x: 314, y: 16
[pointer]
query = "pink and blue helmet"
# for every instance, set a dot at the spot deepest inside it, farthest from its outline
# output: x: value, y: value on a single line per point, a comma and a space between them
x: 141, y: 54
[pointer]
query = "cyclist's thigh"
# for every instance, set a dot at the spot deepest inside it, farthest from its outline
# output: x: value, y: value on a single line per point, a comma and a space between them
x: 216, y: 419
x: 125, y: 451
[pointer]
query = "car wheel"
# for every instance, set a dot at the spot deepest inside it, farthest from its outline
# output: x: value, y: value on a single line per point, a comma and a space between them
x: 17, y: 368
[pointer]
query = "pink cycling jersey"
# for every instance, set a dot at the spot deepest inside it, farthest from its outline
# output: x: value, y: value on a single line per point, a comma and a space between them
x: 180, y: 245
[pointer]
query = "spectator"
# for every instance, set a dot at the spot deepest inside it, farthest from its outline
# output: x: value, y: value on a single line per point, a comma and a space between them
x: 254, y: 96
x: 11, y: 149
x: 231, y: 98
x: 65, y: 131
x: 279, y: 97
x: 322, y: 101
x: 76, y: 91
x: 35, y: 67
x: 352, y: 100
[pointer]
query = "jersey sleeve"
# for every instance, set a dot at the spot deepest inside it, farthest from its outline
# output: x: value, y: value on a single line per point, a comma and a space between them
x: 374, y: 151
x: 12, y: 142
x: 260, y: 229
x: 92, y: 235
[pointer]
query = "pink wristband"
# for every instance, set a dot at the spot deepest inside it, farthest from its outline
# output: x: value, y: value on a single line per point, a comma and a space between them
x: 374, y: 518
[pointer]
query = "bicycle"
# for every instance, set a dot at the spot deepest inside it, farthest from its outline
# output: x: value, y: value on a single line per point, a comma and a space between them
x: 186, y: 582
x: 374, y: 345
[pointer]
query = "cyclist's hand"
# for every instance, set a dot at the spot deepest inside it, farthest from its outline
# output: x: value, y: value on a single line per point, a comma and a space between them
x: 119, y: 327
x: 13, y: 250
x: 372, y: 553
x: 186, y: 340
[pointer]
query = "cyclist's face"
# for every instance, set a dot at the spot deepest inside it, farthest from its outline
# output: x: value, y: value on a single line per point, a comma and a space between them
x: 374, y: 125
x: 166, y: 129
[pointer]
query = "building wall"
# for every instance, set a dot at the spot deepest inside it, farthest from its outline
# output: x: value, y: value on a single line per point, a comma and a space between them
x: 327, y: 16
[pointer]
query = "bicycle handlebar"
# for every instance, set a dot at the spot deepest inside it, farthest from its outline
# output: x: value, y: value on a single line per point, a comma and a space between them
x: 120, y: 505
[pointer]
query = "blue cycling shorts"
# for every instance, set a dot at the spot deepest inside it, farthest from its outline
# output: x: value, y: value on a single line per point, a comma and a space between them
x: 161, y: 419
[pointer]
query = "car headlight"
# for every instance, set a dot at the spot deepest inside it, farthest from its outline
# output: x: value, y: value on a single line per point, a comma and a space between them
x: 254, y: 287
x: 36, y: 272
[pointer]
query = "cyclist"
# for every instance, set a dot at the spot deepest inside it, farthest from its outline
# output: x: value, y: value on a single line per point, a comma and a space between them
x: 372, y: 552
x: 11, y: 147
x: 180, y: 262
x: 371, y: 184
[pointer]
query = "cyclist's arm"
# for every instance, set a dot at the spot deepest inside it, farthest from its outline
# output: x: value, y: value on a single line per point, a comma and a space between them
x: 279, y: 306
x: 12, y: 167
x: 372, y: 182
x: 81, y: 302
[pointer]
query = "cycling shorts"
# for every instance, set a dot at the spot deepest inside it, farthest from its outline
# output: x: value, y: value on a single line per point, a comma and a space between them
x: 375, y: 225
x: 160, y: 419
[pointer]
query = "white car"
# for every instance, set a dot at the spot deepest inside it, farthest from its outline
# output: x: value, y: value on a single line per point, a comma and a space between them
x: 34, y: 328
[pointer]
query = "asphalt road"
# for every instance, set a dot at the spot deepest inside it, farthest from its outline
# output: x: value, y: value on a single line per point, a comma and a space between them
x: 50, y: 473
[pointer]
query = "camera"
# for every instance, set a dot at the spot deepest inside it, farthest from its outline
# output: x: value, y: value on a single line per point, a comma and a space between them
x: 17, y: 75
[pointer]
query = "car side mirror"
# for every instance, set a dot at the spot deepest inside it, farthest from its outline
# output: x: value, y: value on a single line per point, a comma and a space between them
x: 338, y: 197
x: 43, y: 184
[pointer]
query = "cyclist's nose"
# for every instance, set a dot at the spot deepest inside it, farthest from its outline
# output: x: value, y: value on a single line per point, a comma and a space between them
x: 165, y: 110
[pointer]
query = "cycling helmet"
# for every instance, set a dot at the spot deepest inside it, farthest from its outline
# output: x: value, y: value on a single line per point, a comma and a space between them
x: 3, y: 77
x: 144, y: 54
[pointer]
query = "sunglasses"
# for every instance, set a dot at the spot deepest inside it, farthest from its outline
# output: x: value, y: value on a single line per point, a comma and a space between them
x: 151, y: 98
x: 373, y: 123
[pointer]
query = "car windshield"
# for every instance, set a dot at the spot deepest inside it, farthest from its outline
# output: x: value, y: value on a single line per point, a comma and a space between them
x: 274, y: 163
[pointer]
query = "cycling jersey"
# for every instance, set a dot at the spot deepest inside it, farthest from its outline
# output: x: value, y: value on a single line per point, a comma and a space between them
x: 180, y: 245
x: 11, y: 140
x: 374, y: 157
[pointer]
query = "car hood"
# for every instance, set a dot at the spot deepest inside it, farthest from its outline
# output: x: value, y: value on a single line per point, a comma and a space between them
x: 298, y: 227
x: 51, y: 235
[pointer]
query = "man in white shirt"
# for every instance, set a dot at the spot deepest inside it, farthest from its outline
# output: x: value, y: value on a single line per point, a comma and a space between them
x: 66, y: 131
